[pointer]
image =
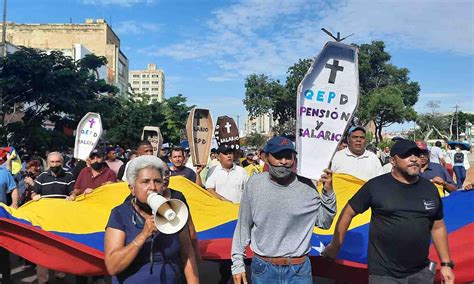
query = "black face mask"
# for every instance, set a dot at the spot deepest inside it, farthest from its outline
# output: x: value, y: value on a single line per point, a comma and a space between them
x: 56, y: 170
x: 97, y: 166
x: 143, y: 206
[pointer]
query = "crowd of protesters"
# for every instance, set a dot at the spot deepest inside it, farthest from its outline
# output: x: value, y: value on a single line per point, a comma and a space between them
x: 227, y: 176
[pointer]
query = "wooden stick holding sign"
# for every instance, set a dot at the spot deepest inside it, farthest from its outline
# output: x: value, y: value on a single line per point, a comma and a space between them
x: 227, y: 133
x: 153, y: 135
x: 199, y: 130
x: 326, y: 100
x: 88, y: 133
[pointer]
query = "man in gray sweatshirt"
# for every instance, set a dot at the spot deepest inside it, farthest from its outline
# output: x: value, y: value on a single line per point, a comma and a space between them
x: 278, y: 212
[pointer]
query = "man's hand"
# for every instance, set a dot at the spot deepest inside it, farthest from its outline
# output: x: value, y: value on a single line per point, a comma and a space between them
x: 71, y: 197
x: 199, y: 169
x: 330, y: 251
x: 447, y: 274
x: 326, y: 179
x: 29, y: 181
x: 15, y: 206
x: 88, y: 190
x: 438, y: 180
x: 469, y: 186
x: 36, y: 197
x: 240, y: 278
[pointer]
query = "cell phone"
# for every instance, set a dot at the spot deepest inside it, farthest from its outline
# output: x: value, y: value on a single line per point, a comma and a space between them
x: 432, y: 267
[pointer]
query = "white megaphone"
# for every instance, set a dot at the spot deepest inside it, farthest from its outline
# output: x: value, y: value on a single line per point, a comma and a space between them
x: 170, y: 215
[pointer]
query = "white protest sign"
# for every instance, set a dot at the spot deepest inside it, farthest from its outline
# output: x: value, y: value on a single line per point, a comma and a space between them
x: 326, y: 100
x: 88, y: 133
x: 153, y: 135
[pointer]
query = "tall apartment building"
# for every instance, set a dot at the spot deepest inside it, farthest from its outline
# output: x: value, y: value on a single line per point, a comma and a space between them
x: 150, y: 81
x: 76, y: 40
x: 262, y: 124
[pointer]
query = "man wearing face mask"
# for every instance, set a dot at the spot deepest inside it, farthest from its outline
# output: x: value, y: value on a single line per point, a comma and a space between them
x: 278, y: 212
x: 51, y: 182
x: 55, y: 180
x: 95, y: 175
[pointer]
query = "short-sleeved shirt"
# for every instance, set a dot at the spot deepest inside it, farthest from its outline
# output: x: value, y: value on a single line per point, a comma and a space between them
x: 436, y: 154
x: 185, y: 172
x: 364, y: 167
x: 401, y: 223
x: 114, y: 165
x: 46, y: 183
x: 167, y: 267
x: 7, y: 184
x: 85, y: 179
x: 228, y: 183
x: 436, y: 170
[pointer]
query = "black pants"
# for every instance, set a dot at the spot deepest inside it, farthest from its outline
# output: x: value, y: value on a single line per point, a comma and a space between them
x: 424, y: 276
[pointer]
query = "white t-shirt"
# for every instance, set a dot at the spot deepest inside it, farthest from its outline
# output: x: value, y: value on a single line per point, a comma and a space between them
x: 229, y: 184
x: 364, y: 167
x: 436, y: 154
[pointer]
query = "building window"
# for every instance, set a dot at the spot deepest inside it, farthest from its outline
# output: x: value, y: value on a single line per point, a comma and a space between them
x: 145, y: 76
x: 136, y: 82
x: 136, y: 76
x: 154, y: 82
x: 146, y: 82
x: 136, y: 89
x: 155, y: 76
x: 154, y: 89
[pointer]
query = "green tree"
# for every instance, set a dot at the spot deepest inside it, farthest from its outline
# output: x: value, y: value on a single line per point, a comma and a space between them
x: 264, y: 95
x: 46, y: 86
x: 256, y: 140
x: 376, y: 74
x: 132, y: 115
x: 386, y: 107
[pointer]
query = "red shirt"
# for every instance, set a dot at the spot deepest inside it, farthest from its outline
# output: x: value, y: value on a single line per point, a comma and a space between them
x: 85, y: 179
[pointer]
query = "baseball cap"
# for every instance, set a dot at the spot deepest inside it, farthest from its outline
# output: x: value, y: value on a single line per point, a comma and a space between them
x: 404, y: 146
x: 224, y: 148
x: 356, y: 128
x: 422, y: 145
x: 97, y: 152
x: 277, y: 144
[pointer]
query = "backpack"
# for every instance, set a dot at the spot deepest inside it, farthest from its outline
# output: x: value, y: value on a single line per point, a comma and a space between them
x: 458, y: 158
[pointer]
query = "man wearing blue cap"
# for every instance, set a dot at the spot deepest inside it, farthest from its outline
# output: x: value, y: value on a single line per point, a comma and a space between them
x: 278, y: 212
x: 407, y: 213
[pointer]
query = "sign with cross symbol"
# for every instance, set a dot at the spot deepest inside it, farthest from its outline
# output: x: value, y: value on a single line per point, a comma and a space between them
x: 326, y: 101
x: 88, y: 133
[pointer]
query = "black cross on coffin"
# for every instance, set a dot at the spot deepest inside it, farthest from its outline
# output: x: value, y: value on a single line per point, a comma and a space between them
x: 198, y: 116
x: 334, y: 68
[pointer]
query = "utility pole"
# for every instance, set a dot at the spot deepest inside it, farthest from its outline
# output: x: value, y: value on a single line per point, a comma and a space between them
x: 4, y: 53
x: 456, y: 107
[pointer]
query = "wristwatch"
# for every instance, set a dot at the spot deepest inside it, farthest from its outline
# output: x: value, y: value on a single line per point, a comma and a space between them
x: 448, y: 264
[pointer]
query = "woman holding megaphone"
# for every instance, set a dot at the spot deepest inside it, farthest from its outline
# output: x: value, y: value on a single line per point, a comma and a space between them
x: 135, y: 250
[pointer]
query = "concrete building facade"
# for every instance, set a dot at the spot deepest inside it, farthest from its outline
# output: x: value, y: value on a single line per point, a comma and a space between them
x: 262, y: 124
x: 150, y: 81
x: 94, y: 36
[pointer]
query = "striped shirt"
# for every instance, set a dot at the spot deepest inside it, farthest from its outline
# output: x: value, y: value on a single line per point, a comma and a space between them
x: 46, y: 183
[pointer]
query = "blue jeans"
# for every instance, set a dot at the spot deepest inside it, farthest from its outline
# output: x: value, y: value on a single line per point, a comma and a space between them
x: 460, y: 172
x: 264, y: 272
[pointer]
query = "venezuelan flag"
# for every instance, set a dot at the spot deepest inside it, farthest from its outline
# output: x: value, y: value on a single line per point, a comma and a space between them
x: 68, y: 236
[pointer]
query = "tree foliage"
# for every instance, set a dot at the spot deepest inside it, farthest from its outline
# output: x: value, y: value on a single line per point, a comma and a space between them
x: 377, y: 76
x: 46, y: 87
x: 255, y: 140
x: 264, y: 95
x: 52, y: 88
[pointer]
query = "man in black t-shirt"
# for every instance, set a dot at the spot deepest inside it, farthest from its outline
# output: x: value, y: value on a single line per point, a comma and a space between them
x: 407, y: 212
